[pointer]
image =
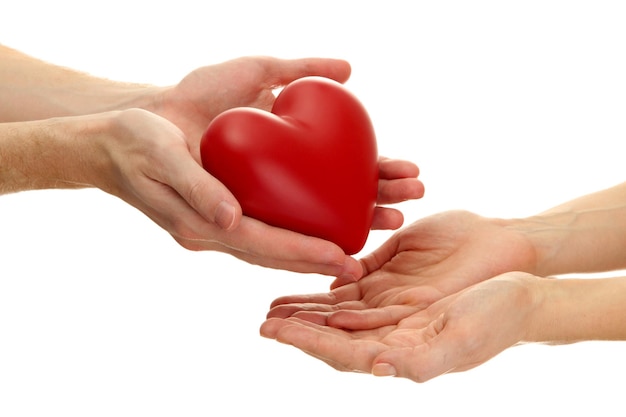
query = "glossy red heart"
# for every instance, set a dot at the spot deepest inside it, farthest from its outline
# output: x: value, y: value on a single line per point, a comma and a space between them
x: 310, y: 165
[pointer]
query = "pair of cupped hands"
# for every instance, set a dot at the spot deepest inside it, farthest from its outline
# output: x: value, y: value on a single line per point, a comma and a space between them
x: 385, y: 313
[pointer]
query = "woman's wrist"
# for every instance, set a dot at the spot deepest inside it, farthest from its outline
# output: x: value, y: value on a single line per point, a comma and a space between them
x: 582, y: 236
x: 548, y: 235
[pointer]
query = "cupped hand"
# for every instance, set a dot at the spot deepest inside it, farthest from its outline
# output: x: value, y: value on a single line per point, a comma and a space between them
x: 252, y: 82
x: 149, y: 166
x: 456, y: 333
x: 434, y: 257
x: 205, y: 215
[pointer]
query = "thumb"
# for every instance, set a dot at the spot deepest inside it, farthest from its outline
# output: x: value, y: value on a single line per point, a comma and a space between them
x: 288, y: 70
x: 207, y: 195
x: 380, y: 256
x: 419, y: 363
x: 438, y: 351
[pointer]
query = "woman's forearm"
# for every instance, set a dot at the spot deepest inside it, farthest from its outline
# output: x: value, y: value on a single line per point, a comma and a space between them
x: 32, y: 89
x: 572, y: 310
x: 587, y: 234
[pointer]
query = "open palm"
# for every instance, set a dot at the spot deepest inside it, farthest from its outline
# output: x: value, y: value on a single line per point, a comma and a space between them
x: 426, y: 261
x: 456, y: 333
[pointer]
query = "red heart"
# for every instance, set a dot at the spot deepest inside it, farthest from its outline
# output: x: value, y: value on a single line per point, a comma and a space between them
x: 311, y: 165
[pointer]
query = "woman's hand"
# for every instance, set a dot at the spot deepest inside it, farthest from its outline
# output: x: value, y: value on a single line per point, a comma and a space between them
x: 456, y: 333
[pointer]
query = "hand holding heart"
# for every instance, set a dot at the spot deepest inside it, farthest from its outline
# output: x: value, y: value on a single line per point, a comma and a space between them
x: 142, y: 144
x: 202, y: 214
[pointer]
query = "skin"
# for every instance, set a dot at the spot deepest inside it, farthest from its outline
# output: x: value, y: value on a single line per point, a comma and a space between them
x: 141, y: 144
x: 453, y: 290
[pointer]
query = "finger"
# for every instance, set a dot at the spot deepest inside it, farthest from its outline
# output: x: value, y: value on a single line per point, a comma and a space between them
x: 316, y: 313
x: 262, y: 244
x: 418, y: 364
x: 270, y: 327
x: 353, y: 319
x: 273, y: 248
x: 397, y: 190
x: 350, y: 292
x: 344, y: 280
x: 169, y: 210
x: 339, y: 282
x: 317, y: 317
x: 289, y: 310
x: 305, y: 266
x: 396, y: 168
x: 387, y: 219
x: 334, y: 347
x: 381, y: 255
x: 421, y: 362
x: 203, y: 192
x: 285, y: 71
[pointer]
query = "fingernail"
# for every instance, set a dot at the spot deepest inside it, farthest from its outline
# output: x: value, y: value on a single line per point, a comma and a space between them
x: 225, y: 215
x: 384, y: 369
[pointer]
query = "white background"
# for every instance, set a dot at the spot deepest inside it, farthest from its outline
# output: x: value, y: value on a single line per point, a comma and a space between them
x: 508, y: 108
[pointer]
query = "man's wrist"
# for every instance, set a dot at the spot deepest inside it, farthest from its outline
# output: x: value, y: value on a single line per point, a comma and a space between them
x: 51, y: 153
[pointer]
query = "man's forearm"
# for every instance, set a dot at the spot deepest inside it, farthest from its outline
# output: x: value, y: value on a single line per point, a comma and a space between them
x: 52, y: 153
x: 32, y: 89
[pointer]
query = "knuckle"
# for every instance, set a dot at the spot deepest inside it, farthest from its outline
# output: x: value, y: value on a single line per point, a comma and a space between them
x: 196, y: 194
